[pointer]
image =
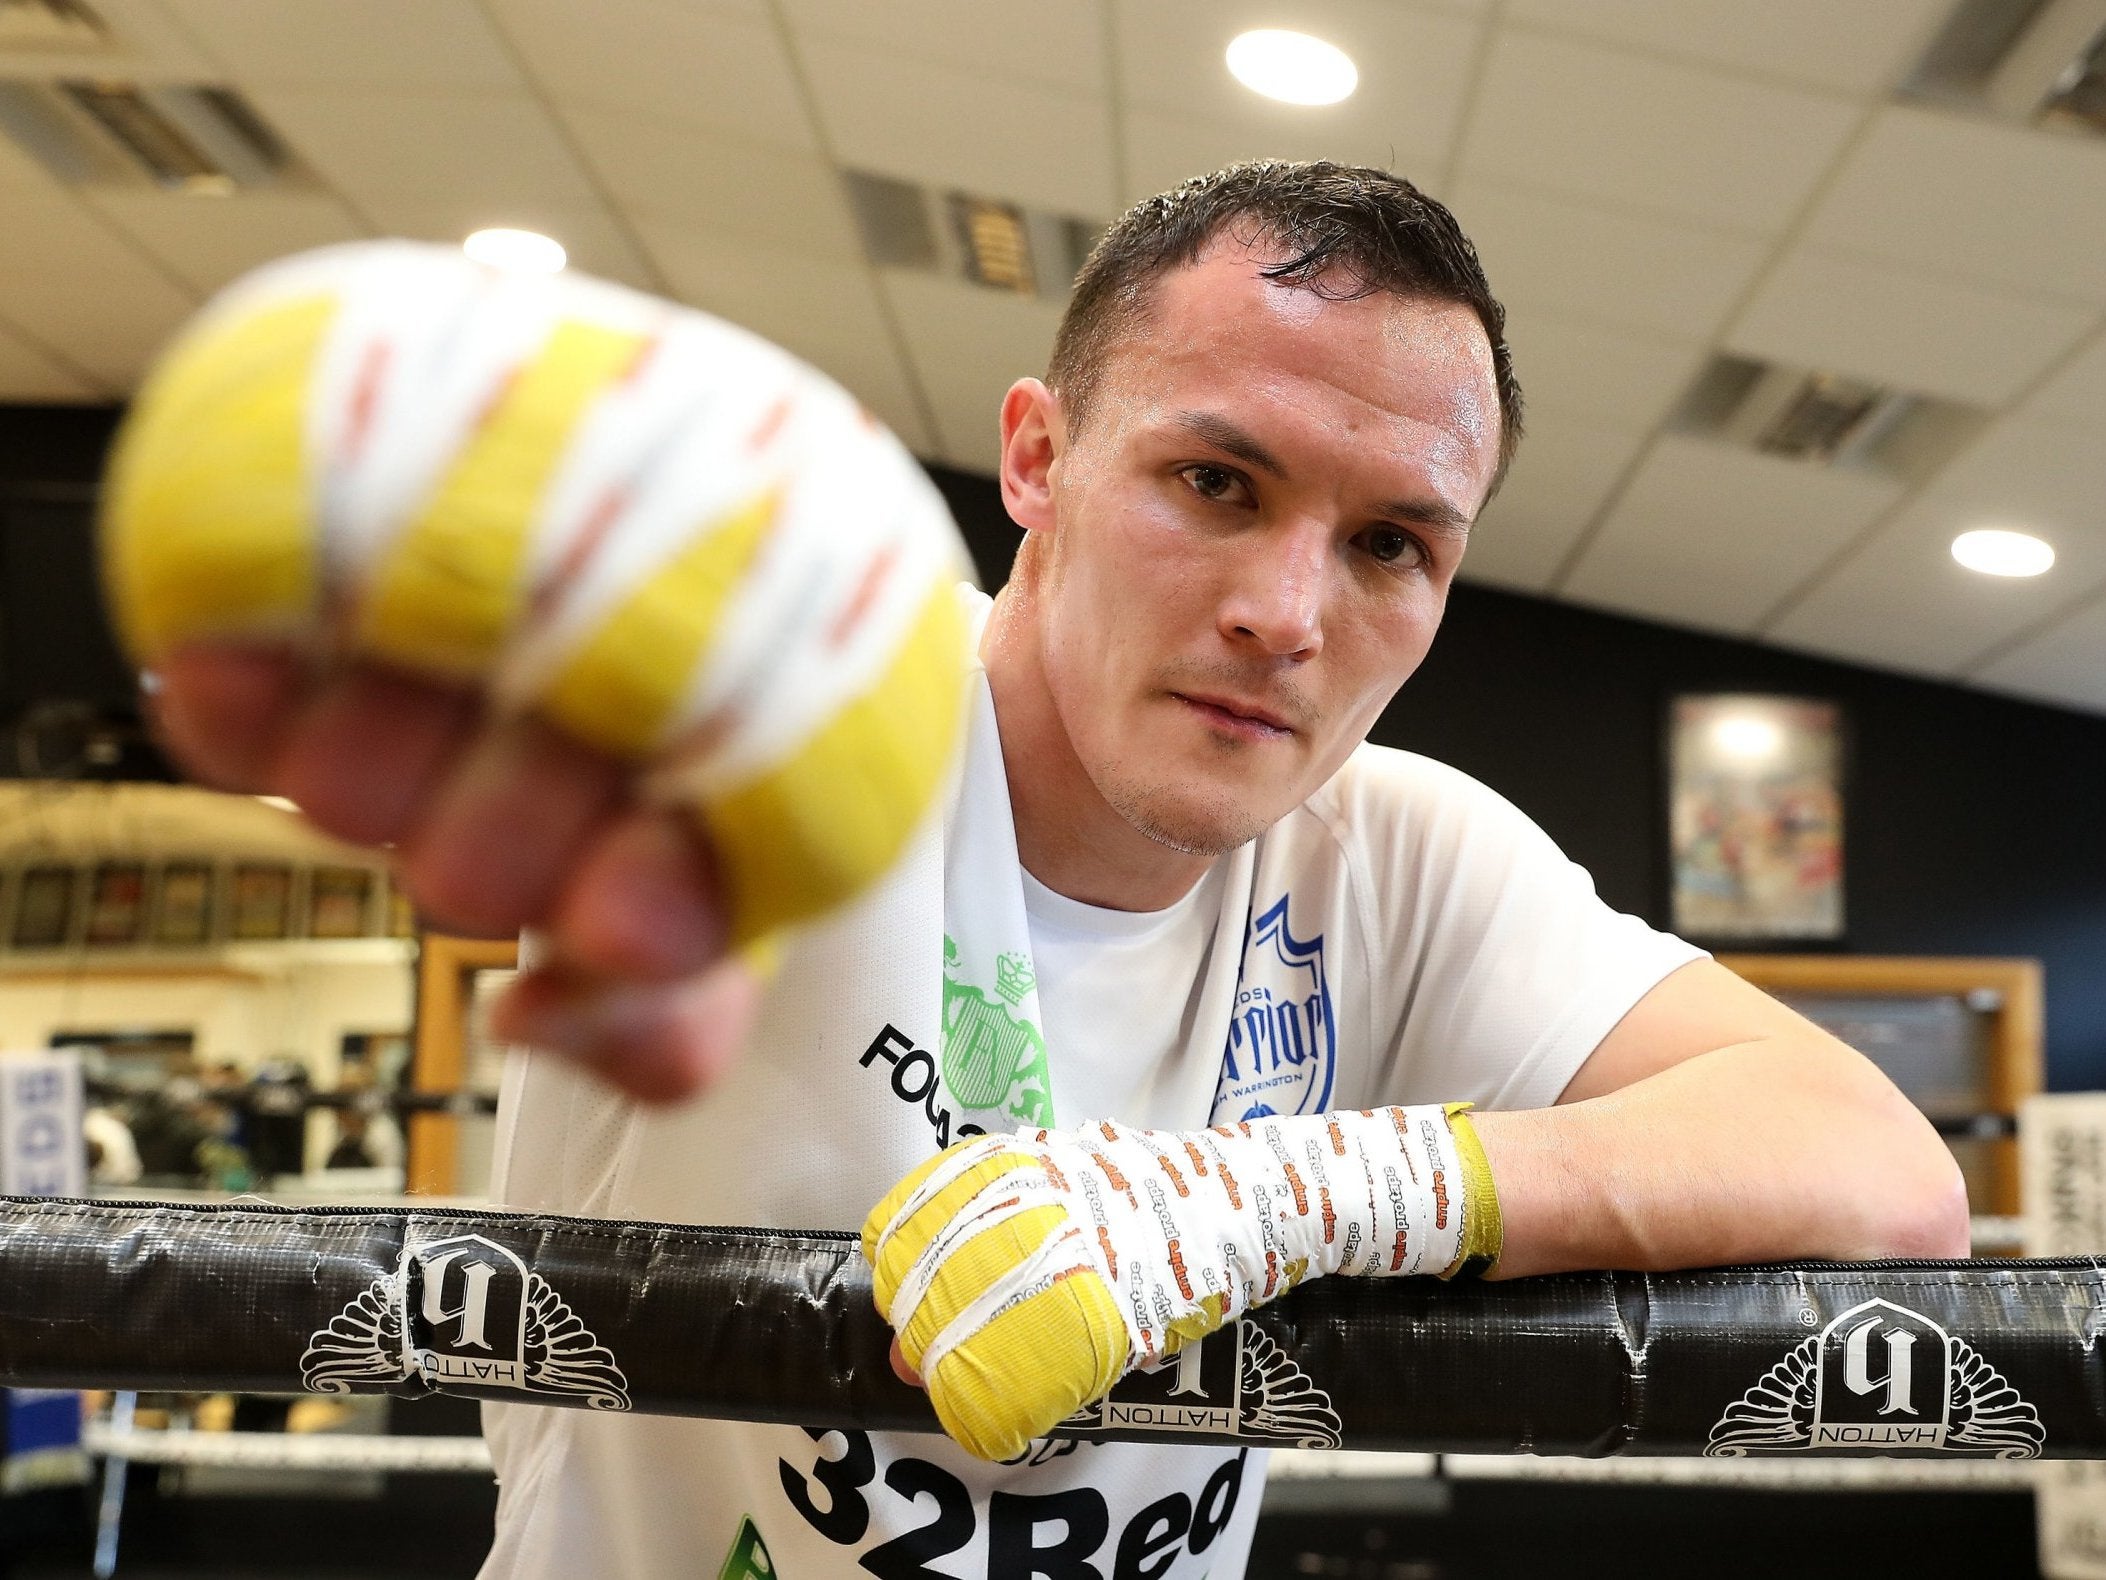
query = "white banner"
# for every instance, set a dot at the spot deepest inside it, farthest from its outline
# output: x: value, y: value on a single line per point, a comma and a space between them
x: 2062, y: 1151
x: 42, y: 1152
x: 2062, y: 1147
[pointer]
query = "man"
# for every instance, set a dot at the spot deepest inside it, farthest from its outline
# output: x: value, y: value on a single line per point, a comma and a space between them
x: 1278, y: 402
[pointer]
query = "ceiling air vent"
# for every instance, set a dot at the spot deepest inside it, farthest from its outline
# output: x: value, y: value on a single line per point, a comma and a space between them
x: 51, y: 24
x: 2027, y: 60
x: 1829, y: 417
x: 1822, y: 418
x: 200, y: 139
x: 988, y: 241
x: 996, y: 244
x: 2079, y: 95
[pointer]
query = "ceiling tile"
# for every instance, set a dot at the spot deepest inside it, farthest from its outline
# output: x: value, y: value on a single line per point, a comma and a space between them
x: 1900, y: 598
x: 2065, y: 664
x: 1166, y: 148
x: 1714, y: 536
x: 17, y: 169
x: 1061, y: 46
x: 1681, y: 139
x: 1560, y: 255
x: 2077, y: 392
x: 687, y: 67
x: 825, y: 312
x: 1620, y: 378
x: 1856, y: 49
x: 762, y: 193
x: 595, y: 243
x: 1937, y: 337
x: 146, y: 45
x: 396, y: 150
x: 29, y: 374
x: 2003, y: 204
x: 1561, y: 474
x: 72, y: 283
x: 952, y: 128
x: 207, y: 241
x: 371, y: 44
x: 1415, y: 67
x: 969, y: 345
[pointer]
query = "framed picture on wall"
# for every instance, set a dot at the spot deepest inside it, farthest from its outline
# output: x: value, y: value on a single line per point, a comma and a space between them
x: 183, y: 907
x: 117, y: 903
x: 339, y: 902
x: 44, y: 902
x: 262, y: 900
x: 1755, y: 818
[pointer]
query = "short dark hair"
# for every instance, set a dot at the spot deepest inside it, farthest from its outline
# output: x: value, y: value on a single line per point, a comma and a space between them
x: 1347, y: 231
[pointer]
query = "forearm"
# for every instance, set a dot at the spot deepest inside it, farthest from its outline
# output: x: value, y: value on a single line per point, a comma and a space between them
x: 1762, y: 1151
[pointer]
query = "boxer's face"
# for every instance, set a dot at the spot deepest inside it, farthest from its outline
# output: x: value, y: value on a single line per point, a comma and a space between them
x: 1254, y: 531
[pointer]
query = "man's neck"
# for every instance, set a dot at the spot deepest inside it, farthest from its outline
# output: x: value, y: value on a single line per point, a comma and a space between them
x: 1067, y: 836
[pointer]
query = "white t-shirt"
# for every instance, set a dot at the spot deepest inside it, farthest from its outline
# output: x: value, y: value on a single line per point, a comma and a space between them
x: 1406, y: 935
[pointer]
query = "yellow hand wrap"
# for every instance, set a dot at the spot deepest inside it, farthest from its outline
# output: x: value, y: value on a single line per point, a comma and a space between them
x: 1026, y: 1274
x: 667, y: 536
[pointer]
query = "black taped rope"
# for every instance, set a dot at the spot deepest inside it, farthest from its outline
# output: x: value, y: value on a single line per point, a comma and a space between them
x: 1993, y: 1359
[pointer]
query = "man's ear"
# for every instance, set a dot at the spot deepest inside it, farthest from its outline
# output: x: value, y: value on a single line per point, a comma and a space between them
x: 1032, y: 438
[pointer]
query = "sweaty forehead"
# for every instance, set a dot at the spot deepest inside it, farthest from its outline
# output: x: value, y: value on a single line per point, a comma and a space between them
x: 1219, y: 328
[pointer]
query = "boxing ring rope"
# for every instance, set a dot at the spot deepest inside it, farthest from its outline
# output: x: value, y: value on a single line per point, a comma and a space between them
x: 1992, y: 1360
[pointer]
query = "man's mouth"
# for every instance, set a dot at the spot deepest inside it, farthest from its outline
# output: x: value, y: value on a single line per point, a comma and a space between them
x: 1236, y: 717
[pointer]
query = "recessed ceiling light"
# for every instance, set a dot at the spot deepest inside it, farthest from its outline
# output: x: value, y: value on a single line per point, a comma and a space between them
x: 1293, y: 67
x: 521, y: 251
x: 1995, y: 552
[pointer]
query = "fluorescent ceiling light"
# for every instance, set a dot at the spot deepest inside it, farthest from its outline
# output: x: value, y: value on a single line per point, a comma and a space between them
x: 1995, y: 552
x: 1292, y: 66
x: 521, y: 251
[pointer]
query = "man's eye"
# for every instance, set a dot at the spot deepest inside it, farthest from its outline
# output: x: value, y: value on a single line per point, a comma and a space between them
x: 1210, y: 482
x: 1386, y: 543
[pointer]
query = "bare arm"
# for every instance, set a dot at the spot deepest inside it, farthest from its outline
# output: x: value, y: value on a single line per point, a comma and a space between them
x: 1716, y: 1126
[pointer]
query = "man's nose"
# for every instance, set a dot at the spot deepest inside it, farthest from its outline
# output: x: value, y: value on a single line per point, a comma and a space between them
x: 1276, y: 589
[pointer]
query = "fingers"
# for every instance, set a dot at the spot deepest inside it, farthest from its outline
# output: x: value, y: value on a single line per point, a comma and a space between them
x: 501, y: 830
x: 655, y: 1041
x: 498, y: 822
x: 223, y: 710
x: 364, y: 755
x: 644, y: 901
x: 499, y: 825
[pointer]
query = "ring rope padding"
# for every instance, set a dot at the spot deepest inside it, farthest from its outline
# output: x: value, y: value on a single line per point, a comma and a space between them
x: 1988, y: 1359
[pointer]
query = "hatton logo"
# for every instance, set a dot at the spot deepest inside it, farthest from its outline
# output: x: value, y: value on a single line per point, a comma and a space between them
x: 466, y: 1314
x: 1884, y: 1378
x: 1282, y: 1043
x: 1234, y: 1383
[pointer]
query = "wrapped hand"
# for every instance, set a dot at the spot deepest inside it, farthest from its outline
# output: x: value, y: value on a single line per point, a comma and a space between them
x: 1026, y: 1274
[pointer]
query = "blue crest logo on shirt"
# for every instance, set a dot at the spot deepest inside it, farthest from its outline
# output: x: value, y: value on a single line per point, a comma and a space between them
x: 1282, y: 1044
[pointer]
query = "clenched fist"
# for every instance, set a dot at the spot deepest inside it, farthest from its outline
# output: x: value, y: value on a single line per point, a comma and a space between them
x: 612, y: 618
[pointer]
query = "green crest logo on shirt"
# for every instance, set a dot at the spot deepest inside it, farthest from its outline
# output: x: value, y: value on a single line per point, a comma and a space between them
x: 748, y: 1558
x: 992, y: 1056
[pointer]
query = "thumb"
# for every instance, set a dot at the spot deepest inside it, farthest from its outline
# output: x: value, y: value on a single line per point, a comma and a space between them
x: 901, y: 1369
